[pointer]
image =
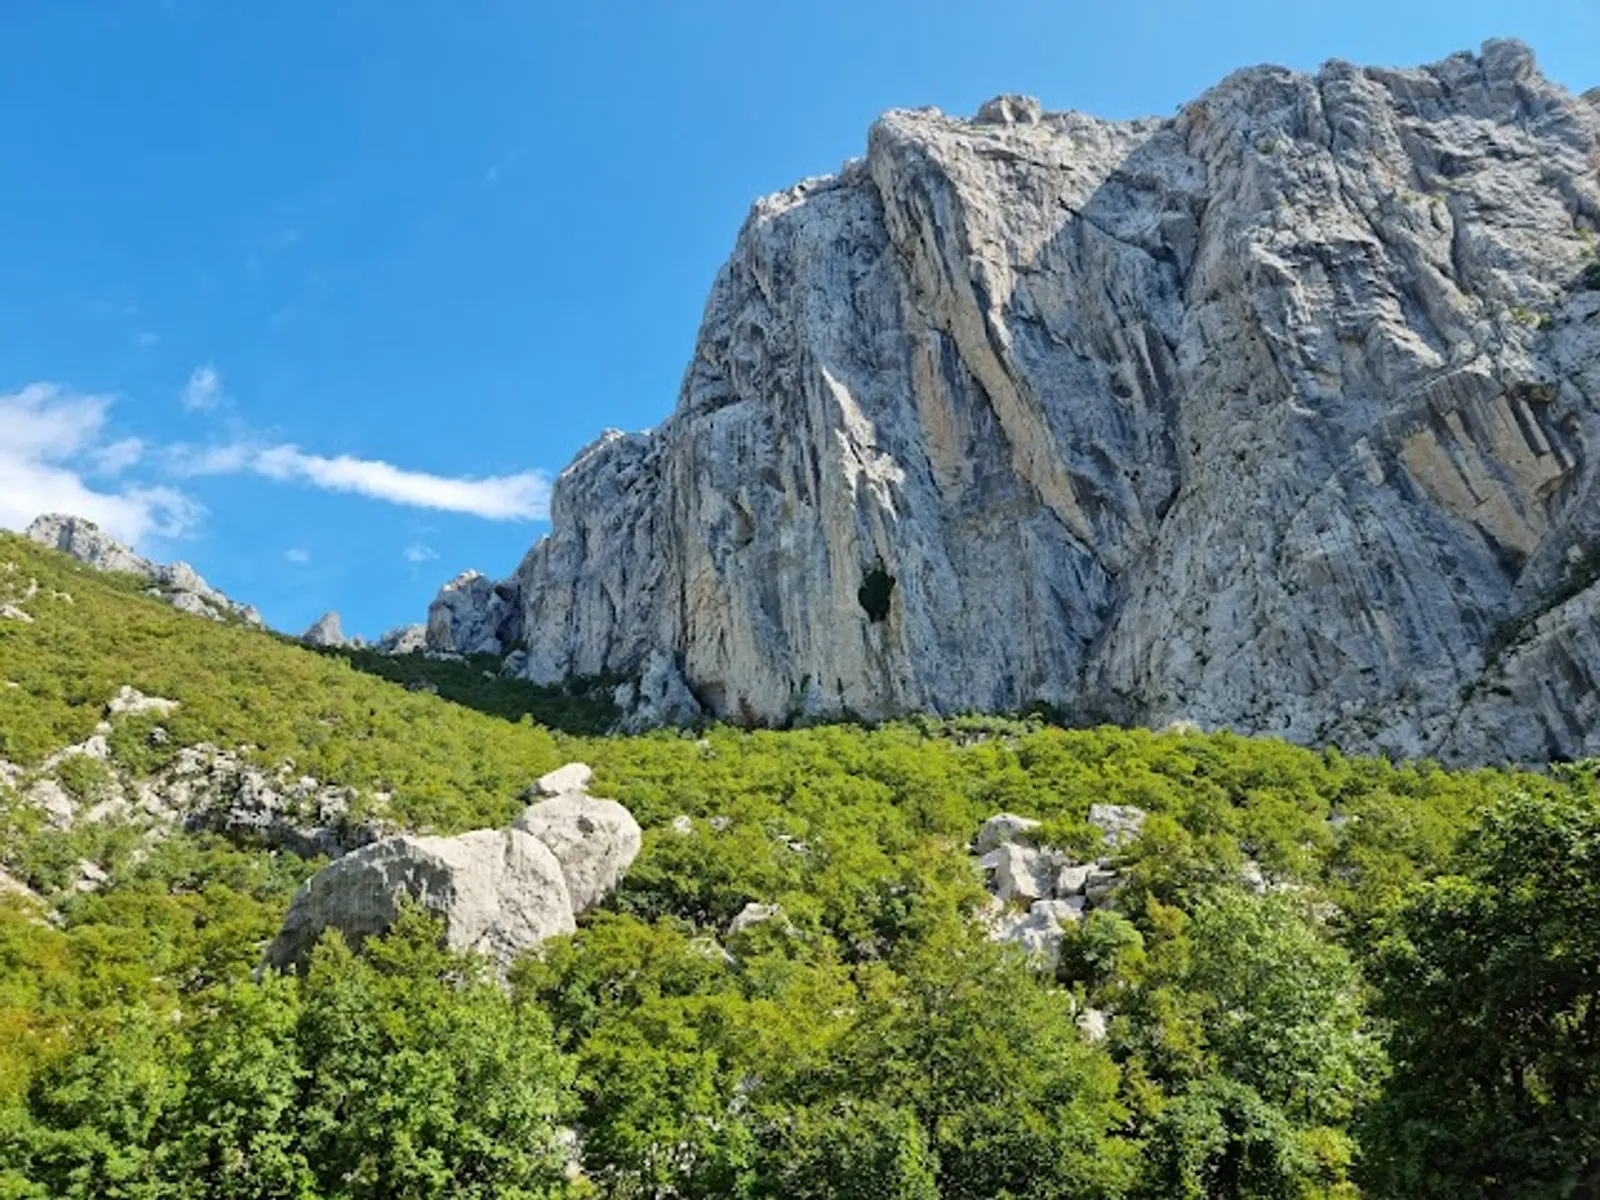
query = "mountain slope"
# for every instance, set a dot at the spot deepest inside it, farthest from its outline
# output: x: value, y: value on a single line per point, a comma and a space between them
x: 1278, y: 415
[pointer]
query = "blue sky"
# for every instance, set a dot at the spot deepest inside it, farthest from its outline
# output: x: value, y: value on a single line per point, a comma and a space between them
x: 318, y: 294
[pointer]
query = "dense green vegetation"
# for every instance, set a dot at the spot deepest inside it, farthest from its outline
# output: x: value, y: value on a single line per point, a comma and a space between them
x: 1412, y: 1009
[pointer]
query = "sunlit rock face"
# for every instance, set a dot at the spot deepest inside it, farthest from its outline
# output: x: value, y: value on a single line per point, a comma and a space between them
x: 1274, y: 414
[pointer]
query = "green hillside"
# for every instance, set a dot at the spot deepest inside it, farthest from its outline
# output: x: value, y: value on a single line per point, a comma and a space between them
x: 1408, y: 1006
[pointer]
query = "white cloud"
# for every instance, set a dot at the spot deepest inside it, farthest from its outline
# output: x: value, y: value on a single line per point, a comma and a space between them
x: 203, y: 392
x: 417, y: 552
x: 297, y: 556
x: 521, y: 497
x: 47, y: 436
x: 118, y: 456
x: 146, y: 338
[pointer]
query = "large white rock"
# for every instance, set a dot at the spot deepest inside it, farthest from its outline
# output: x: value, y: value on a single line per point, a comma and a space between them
x: 1264, y: 415
x: 498, y: 892
x: 1002, y: 829
x: 594, y: 840
x: 573, y: 777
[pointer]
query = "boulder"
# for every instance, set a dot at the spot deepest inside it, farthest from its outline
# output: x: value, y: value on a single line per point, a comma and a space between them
x: 498, y: 892
x: 1119, y: 823
x: 753, y: 914
x: 131, y: 702
x: 574, y: 777
x: 594, y: 840
x: 1020, y: 872
x: 1040, y: 930
x: 1000, y: 829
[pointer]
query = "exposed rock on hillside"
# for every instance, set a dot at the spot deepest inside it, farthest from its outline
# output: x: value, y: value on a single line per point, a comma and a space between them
x: 498, y: 892
x: 327, y: 630
x: 1277, y: 414
x: 178, y: 583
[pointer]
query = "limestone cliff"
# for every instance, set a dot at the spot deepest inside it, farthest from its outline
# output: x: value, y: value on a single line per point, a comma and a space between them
x: 1275, y: 414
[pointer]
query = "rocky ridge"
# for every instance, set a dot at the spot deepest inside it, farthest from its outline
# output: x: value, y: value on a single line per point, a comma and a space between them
x: 1277, y: 414
x: 177, y: 583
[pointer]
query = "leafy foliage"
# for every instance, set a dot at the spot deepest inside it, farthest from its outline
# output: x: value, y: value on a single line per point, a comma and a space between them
x: 867, y: 1040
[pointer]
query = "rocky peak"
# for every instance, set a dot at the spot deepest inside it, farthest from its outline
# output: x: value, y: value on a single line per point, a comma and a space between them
x: 1274, y: 415
x: 327, y: 630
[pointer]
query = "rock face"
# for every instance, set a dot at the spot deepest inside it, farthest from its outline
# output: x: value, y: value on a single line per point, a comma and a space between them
x: 498, y: 891
x: 178, y: 583
x: 473, y: 614
x: 1276, y: 415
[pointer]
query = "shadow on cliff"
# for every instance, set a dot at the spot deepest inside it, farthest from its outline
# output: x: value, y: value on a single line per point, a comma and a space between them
x: 579, y: 706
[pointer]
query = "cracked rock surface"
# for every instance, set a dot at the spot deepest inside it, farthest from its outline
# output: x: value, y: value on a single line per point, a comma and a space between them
x: 1275, y: 415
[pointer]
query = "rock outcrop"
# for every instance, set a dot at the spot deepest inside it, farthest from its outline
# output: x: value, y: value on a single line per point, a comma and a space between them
x: 473, y: 614
x: 1039, y: 892
x: 177, y: 583
x: 497, y: 891
x: 1278, y: 414
x: 328, y: 631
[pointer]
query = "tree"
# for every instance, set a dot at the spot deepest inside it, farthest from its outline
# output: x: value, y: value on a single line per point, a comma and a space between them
x: 424, y: 1078
x: 1491, y: 979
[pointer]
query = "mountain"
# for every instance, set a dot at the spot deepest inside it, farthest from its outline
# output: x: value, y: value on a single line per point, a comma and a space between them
x: 1279, y: 414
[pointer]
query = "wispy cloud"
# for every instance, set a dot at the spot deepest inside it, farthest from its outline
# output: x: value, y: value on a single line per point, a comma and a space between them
x: 117, y: 457
x: 146, y: 338
x: 521, y: 497
x: 297, y: 556
x: 49, y: 438
x: 418, y: 552
x: 203, y: 392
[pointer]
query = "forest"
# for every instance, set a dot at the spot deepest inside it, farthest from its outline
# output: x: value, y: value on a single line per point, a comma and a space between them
x: 1320, y: 976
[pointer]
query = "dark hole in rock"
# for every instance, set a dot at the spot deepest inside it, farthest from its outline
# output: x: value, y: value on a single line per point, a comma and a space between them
x: 875, y: 592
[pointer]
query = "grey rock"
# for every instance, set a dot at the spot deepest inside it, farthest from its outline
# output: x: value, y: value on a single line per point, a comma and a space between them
x: 661, y: 697
x: 1039, y: 931
x: 751, y: 915
x: 407, y: 639
x: 1073, y: 879
x: 11, y: 612
x: 595, y: 841
x: 1119, y: 823
x: 682, y: 825
x: 177, y: 583
x: 1094, y: 1023
x: 131, y: 702
x: 1010, y: 110
x: 472, y: 614
x: 1020, y: 873
x: 1100, y: 886
x: 573, y: 777
x: 498, y: 892
x: 1264, y: 416
x: 327, y: 631
x: 1002, y: 829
